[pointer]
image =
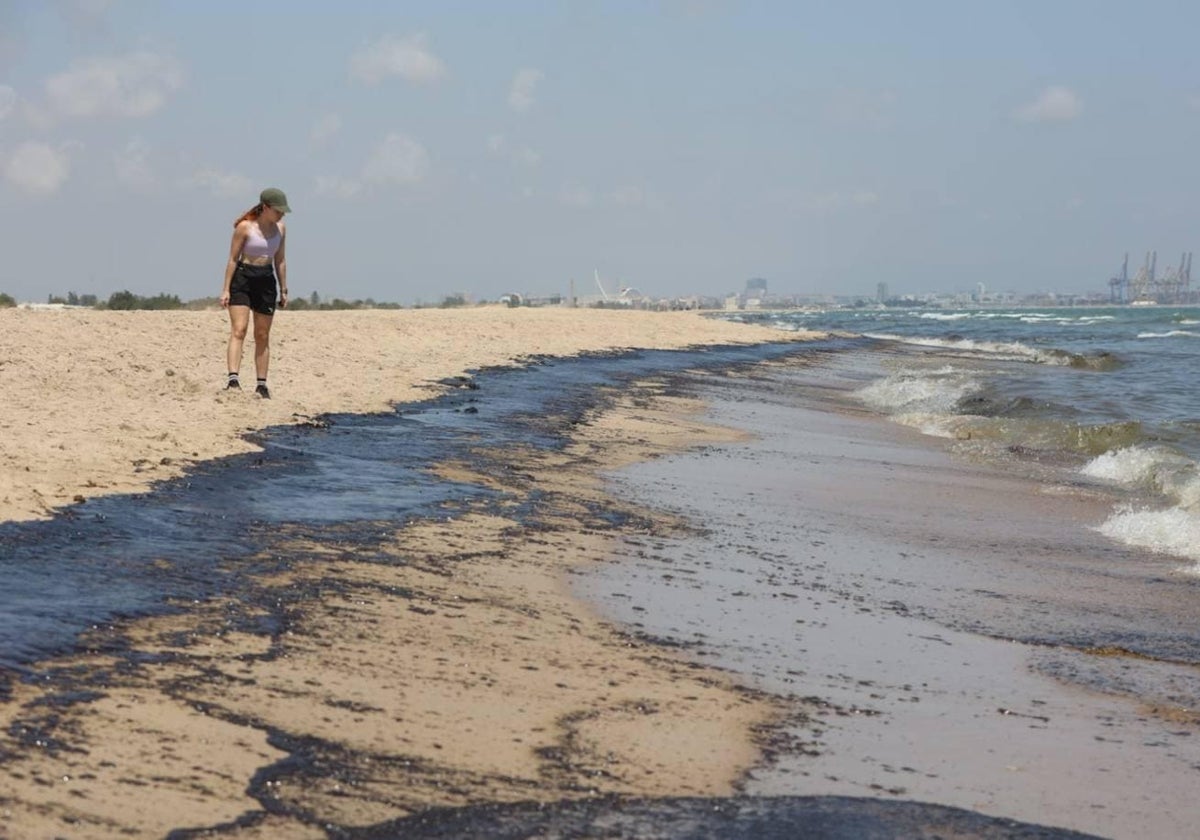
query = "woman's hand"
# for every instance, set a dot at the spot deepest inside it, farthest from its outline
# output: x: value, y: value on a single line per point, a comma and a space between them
x: 283, y: 297
x: 224, y: 298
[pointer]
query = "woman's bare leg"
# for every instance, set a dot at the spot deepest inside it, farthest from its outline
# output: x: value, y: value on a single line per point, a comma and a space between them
x: 239, y: 320
x: 262, y: 343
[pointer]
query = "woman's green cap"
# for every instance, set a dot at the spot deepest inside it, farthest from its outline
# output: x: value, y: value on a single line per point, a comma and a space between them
x: 275, y: 198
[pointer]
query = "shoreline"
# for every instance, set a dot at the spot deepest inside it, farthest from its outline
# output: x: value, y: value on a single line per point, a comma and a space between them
x: 447, y: 666
x: 957, y: 633
x: 100, y: 402
x: 437, y: 672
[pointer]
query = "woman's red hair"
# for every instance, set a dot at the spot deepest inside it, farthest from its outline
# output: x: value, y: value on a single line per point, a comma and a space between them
x: 250, y: 215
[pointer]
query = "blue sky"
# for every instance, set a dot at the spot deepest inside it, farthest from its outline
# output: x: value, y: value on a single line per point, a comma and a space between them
x: 679, y: 146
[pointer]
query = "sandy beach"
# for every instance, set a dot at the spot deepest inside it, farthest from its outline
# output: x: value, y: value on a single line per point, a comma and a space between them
x: 549, y: 647
x: 447, y: 666
x: 98, y: 402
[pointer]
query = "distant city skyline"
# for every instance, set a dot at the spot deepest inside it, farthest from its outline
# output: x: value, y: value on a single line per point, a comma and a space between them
x: 680, y: 147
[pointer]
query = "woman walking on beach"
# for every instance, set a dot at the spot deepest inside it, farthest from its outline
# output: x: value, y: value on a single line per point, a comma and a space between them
x: 256, y: 260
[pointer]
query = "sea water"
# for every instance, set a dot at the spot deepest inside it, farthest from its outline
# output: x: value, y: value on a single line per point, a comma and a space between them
x: 1094, y: 396
x: 945, y: 613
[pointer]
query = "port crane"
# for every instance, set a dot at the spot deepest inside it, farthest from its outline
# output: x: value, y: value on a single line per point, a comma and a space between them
x: 1147, y: 287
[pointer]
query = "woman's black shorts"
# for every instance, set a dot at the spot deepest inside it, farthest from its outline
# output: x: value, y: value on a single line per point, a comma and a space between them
x: 254, y: 286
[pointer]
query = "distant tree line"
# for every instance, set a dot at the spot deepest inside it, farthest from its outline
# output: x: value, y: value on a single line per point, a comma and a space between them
x: 314, y: 301
x: 127, y: 300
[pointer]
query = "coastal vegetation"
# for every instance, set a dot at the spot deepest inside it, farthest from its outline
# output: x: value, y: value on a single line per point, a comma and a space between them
x: 127, y: 300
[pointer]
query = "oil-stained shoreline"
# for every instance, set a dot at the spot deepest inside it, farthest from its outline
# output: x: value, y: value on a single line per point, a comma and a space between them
x: 120, y: 555
x: 367, y: 673
x: 368, y: 670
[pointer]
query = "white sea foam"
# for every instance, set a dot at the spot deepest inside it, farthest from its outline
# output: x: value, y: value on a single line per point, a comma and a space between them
x: 946, y: 316
x: 932, y: 424
x: 1023, y: 317
x: 1059, y: 320
x: 1173, y: 531
x: 1170, y: 334
x: 1010, y: 350
x: 928, y: 392
x: 1153, y: 467
x: 1134, y: 465
x: 787, y: 326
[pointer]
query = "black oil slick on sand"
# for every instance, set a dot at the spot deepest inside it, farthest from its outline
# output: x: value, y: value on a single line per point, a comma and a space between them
x: 211, y: 532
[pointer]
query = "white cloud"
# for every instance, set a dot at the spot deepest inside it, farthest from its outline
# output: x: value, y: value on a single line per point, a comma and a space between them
x: 632, y: 195
x: 326, y: 128
x: 337, y: 186
x: 223, y: 184
x: 575, y: 195
x: 37, y: 169
x: 1054, y: 104
x: 409, y: 58
x: 399, y: 159
x: 8, y: 100
x: 520, y: 92
x: 132, y: 165
x: 628, y: 196
x: 133, y: 85
x: 527, y: 156
x: 523, y: 155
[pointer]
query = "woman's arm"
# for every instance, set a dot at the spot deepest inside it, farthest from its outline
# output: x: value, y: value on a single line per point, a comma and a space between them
x: 281, y: 265
x: 235, y: 251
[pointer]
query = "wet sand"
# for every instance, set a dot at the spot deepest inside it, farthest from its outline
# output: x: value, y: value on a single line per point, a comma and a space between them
x: 449, y: 666
x: 952, y: 632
